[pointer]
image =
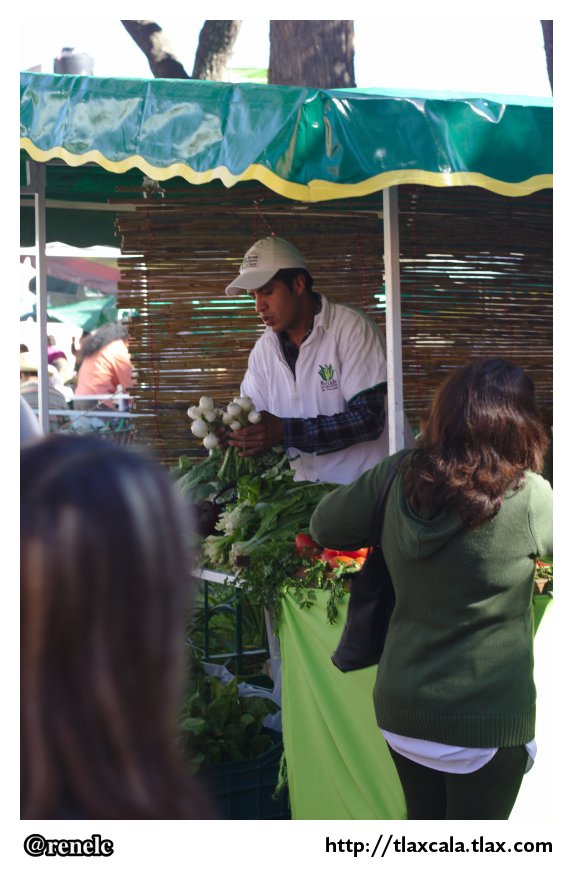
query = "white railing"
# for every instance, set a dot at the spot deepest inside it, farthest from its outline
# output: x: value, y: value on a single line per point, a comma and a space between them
x: 214, y: 576
x: 96, y: 410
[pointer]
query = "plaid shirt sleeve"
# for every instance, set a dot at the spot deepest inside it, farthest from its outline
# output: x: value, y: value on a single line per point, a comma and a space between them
x: 363, y: 421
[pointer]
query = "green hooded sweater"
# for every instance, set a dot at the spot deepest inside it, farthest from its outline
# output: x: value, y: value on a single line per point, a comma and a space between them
x: 457, y: 666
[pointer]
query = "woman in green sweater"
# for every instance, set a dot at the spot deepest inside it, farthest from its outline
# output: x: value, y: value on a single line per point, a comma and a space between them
x: 466, y: 518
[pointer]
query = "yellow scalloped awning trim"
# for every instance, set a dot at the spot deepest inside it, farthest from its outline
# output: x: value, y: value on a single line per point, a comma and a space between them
x: 315, y: 191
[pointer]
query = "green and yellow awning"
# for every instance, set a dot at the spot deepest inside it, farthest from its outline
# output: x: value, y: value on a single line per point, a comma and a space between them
x: 303, y: 143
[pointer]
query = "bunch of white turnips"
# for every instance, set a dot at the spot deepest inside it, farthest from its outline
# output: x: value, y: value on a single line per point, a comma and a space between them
x: 207, y: 419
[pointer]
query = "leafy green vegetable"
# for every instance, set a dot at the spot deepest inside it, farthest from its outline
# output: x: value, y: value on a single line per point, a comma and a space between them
x: 217, y: 724
x: 544, y: 577
x: 200, y: 480
x: 184, y: 465
x: 256, y: 529
x: 275, y: 568
x: 270, y: 508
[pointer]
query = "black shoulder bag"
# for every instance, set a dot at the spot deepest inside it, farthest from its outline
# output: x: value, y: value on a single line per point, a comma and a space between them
x: 371, y: 601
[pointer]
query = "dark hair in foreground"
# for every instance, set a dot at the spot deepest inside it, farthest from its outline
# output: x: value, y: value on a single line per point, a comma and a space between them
x: 483, y: 430
x: 105, y: 593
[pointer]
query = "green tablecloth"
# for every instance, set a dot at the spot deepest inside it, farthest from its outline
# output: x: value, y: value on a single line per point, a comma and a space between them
x: 338, y: 764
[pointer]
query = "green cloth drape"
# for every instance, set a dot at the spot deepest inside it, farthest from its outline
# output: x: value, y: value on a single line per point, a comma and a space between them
x: 338, y: 764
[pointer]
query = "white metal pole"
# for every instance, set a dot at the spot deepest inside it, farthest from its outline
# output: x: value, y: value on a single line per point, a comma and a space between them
x: 36, y: 173
x: 393, y: 323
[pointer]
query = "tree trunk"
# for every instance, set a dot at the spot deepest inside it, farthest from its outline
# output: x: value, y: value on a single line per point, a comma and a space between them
x: 150, y: 38
x: 317, y: 54
x: 216, y: 42
x: 547, y: 27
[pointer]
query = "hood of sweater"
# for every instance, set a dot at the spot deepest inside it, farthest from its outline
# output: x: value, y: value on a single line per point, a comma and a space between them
x: 420, y: 536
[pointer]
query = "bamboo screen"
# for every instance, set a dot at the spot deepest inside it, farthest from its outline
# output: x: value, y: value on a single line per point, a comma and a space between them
x: 476, y: 281
x: 475, y: 271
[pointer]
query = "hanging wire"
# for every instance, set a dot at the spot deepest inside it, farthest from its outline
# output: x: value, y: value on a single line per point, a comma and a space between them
x: 260, y: 216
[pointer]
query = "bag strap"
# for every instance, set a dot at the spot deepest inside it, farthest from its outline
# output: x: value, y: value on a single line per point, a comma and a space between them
x: 380, y: 509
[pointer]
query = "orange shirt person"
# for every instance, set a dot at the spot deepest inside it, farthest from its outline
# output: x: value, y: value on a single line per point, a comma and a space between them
x: 106, y: 365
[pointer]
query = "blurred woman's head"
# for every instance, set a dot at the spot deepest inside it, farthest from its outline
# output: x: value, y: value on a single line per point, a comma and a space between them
x: 105, y: 595
x: 482, y: 432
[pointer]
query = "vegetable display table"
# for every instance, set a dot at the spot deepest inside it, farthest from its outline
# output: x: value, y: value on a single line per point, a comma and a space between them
x: 338, y: 764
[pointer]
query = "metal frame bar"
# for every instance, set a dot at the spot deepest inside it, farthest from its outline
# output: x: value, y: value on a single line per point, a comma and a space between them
x: 393, y: 320
x: 36, y: 185
x: 206, y: 576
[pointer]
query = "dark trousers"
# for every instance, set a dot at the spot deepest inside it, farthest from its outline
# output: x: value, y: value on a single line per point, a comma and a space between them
x: 488, y: 793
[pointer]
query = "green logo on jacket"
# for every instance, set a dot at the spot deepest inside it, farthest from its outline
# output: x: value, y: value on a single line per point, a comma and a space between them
x: 326, y: 372
x: 328, y: 381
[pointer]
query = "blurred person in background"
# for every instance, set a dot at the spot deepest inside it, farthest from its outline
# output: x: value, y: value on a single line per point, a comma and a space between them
x: 29, y: 425
x: 105, y: 366
x: 77, y: 358
x: 77, y: 349
x: 105, y: 593
x: 29, y: 387
x: 57, y: 357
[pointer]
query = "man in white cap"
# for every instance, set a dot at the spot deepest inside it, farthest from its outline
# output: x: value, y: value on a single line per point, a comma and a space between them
x: 317, y: 373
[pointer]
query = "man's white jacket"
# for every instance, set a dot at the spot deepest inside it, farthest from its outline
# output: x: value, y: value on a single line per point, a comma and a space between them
x: 343, y: 355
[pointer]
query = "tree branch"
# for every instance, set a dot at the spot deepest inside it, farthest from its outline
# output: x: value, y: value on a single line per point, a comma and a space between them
x: 150, y: 38
x: 547, y: 27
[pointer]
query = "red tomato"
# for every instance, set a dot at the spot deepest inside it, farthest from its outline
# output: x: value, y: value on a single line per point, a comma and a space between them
x: 328, y: 555
x: 306, y: 546
x: 355, y: 554
x: 340, y: 559
x: 344, y: 557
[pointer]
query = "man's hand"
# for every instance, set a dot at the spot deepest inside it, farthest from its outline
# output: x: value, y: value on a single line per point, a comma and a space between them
x: 258, y: 437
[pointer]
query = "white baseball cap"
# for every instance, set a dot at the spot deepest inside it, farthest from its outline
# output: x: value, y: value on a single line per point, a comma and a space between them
x: 262, y: 262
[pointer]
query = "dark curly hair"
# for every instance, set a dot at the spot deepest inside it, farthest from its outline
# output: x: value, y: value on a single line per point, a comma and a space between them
x: 103, y: 336
x: 482, y: 432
